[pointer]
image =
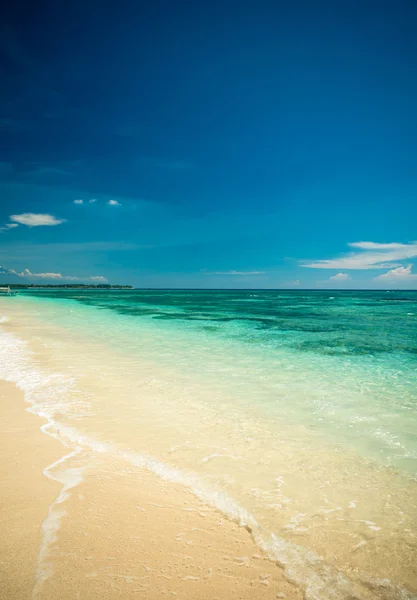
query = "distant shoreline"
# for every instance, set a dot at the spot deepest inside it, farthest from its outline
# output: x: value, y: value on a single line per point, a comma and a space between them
x: 73, y: 286
x: 102, y: 286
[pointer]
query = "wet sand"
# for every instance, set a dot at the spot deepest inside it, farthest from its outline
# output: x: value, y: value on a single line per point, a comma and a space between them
x: 120, y: 532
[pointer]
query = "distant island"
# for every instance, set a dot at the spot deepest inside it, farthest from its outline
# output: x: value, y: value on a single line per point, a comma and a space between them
x: 68, y: 286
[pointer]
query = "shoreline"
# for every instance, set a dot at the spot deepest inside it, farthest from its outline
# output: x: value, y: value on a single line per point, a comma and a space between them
x: 115, y: 531
x: 25, y: 492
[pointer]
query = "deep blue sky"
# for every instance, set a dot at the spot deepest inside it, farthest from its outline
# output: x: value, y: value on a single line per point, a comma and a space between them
x: 243, y: 141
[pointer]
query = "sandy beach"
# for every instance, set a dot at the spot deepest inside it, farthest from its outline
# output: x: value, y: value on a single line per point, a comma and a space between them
x: 25, y: 492
x: 118, y: 533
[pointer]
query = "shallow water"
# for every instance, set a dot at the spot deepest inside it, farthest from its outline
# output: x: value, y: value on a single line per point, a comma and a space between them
x: 292, y: 412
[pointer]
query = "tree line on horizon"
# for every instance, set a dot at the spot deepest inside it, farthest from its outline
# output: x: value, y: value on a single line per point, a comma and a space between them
x: 105, y: 286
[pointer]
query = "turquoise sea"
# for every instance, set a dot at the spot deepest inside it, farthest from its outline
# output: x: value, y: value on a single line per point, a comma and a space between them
x: 292, y: 412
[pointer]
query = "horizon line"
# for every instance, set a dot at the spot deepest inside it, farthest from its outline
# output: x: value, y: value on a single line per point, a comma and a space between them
x: 196, y: 289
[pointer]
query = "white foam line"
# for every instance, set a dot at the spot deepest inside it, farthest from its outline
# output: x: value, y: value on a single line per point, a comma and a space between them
x: 52, y: 522
x: 302, y: 567
x: 43, y: 391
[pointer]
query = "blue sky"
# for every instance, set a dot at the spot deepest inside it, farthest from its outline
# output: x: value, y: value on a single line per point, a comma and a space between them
x: 243, y: 144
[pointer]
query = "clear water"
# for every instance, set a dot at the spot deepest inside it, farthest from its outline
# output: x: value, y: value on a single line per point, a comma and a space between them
x: 293, y: 412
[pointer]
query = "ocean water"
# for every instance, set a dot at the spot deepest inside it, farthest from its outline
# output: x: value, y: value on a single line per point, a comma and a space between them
x: 292, y: 412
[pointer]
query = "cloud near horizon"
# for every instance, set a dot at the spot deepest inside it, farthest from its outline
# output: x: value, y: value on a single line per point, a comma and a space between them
x: 340, y: 277
x: 372, y: 255
x: 398, y: 274
x: 54, y: 276
x: 36, y: 219
x: 114, y: 203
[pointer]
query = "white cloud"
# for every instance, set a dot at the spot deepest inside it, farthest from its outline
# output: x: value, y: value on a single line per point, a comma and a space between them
x: 114, y: 203
x: 54, y: 276
x: 36, y: 219
x: 235, y: 272
x: 371, y: 256
x: 9, y: 226
x: 340, y: 277
x: 92, y: 201
x: 377, y: 246
x: 27, y: 273
x: 398, y: 274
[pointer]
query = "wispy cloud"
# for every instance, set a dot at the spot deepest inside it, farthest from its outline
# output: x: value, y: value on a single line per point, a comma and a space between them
x: 340, y: 277
x: 78, y: 201
x: 114, y: 203
x: 234, y: 272
x: 36, y: 219
x: 9, y: 226
x: 372, y: 255
x: 399, y: 274
x: 27, y: 273
x: 93, y: 200
x: 377, y: 246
